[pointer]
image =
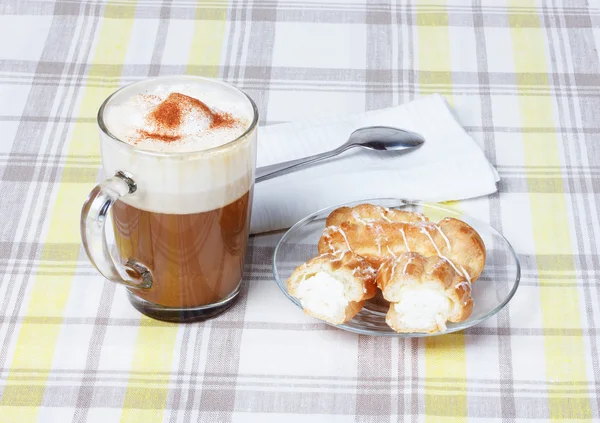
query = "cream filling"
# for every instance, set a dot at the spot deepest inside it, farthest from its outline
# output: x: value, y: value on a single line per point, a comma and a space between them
x: 323, y: 295
x: 423, y: 308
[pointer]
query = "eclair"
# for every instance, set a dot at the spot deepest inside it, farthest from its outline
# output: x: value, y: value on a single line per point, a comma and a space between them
x: 380, y: 240
x: 424, y: 293
x: 333, y: 287
x: 369, y: 213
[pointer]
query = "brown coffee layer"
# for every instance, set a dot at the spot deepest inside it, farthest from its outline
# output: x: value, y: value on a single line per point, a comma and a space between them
x: 196, y: 259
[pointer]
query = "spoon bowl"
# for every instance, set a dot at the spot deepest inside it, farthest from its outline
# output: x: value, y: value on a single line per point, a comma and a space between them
x: 384, y: 138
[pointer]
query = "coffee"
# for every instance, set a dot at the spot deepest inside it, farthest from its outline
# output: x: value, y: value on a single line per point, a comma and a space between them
x: 190, y: 147
x: 196, y: 258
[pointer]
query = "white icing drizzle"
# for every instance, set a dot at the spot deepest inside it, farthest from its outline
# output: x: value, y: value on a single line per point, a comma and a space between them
x: 341, y: 231
x: 404, y: 238
x: 466, y: 283
x: 380, y: 232
x: 444, y: 236
x: 338, y: 257
x: 328, y: 231
x: 357, y: 217
x: 382, y: 211
x: 458, y: 272
x: 410, y: 259
x: 424, y: 231
x: 329, y: 242
x: 390, y: 251
x: 465, y: 273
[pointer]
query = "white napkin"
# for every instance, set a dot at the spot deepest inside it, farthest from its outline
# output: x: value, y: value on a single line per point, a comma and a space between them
x: 449, y: 166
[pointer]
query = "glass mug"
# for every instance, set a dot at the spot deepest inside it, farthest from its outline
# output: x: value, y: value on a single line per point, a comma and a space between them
x: 181, y: 219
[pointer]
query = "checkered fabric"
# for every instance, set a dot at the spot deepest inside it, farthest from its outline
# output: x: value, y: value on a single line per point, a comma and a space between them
x: 523, y: 77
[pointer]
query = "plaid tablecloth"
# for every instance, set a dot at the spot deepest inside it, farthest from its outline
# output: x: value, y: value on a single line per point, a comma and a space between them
x: 524, y: 79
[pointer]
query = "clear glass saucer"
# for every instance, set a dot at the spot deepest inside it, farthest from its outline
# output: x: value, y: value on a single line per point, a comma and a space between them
x: 491, y: 292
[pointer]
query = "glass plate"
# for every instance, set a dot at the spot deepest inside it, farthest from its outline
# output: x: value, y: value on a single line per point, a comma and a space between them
x: 491, y: 292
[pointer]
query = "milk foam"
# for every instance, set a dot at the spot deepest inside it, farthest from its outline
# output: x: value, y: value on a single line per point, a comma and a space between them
x: 128, y: 117
x: 197, y: 177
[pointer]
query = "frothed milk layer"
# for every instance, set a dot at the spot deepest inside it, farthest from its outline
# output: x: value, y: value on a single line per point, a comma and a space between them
x: 176, y: 118
x: 197, y: 177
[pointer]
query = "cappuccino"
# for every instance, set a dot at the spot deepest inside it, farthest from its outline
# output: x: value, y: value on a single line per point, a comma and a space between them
x: 189, y: 145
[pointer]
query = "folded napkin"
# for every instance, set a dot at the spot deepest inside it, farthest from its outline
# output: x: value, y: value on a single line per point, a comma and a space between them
x: 449, y: 166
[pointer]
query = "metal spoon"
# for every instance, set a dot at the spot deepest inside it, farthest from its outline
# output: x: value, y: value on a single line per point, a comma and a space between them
x: 379, y: 138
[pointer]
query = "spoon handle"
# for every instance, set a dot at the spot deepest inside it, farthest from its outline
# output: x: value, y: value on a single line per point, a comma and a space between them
x: 267, y: 172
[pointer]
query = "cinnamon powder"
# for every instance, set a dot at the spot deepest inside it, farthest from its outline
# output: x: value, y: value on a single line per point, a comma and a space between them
x: 167, y: 118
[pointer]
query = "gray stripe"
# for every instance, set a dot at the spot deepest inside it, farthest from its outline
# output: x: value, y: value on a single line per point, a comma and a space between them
x: 429, y: 88
x: 375, y: 388
x: 176, y: 395
x: 259, y: 59
x: 291, y: 402
x: 226, y: 328
x: 195, y: 359
x: 349, y: 79
x: 20, y: 7
x: 374, y: 360
x: 282, y: 379
x: 295, y: 402
x: 323, y: 12
x: 302, y: 402
x: 239, y: 21
x: 379, y: 66
x: 161, y: 37
x: 547, y: 185
x: 52, y: 70
x: 412, y: 76
x: 229, y: 61
x: 404, y: 388
x: 284, y: 76
x: 415, y: 404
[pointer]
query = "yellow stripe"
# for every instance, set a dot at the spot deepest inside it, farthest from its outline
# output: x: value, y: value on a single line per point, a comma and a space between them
x: 155, y: 344
x: 445, y: 356
x: 565, y: 356
x: 153, y: 354
x: 207, y: 44
x: 434, y: 48
x: 36, y: 343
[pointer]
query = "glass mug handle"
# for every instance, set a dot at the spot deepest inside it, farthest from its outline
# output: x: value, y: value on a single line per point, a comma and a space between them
x: 93, y: 235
